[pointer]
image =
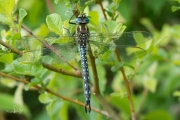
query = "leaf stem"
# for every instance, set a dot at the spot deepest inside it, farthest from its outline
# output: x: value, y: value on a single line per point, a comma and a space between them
x: 127, y: 86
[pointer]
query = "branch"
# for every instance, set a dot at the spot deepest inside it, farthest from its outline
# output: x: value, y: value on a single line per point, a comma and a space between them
x: 127, y: 86
x: 50, y: 7
x: 53, y: 93
x: 102, y: 8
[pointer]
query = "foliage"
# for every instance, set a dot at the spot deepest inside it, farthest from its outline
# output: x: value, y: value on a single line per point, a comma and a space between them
x: 153, y: 78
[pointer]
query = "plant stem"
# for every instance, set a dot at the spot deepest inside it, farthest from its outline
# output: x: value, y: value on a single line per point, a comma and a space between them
x: 53, y: 93
x: 50, y: 7
x: 102, y: 8
x: 127, y: 86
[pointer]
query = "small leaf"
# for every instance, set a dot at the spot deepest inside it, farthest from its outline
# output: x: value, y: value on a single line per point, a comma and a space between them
x: 4, y: 20
x: 175, y: 8
x: 33, y: 82
x: 87, y: 4
x: 56, y: 1
x: 8, y: 82
x: 45, y: 98
x: 158, y: 115
x: 151, y: 84
x: 54, y: 23
x: 7, y: 7
x: 116, y: 67
x: 27, y: 69
x: 95, y: 17
x: 18, y: 96
x: 176, y: 94
x: 22, y: 14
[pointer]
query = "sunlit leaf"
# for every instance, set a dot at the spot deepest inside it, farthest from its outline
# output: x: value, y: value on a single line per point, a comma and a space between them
x: 54, y: 23
x: 158, y: 115
x: 27, y: 69
x: 176, y: 94
x: 45, y: 98
x: 175, y: 8
x: 7, y: 8
x: 22, y: 14
x: 151, y: 84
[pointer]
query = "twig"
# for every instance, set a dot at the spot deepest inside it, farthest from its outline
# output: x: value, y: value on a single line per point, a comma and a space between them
x: 53, y: 93
x: 50, y: 7
x: 127, y: 86
x: 102, y: 8
x: 10, y: 47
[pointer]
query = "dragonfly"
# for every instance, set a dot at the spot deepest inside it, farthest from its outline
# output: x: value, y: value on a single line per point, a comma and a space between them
x: 63, y: 48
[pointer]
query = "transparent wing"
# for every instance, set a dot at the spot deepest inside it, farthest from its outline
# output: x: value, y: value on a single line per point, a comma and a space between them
x: 129, y: 45
x: 53, y: 50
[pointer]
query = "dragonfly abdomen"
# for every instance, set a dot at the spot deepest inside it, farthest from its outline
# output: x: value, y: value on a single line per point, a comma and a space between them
x: 85, y: 74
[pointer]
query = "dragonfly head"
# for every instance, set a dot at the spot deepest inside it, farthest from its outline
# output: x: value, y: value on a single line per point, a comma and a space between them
x: 82, y: 19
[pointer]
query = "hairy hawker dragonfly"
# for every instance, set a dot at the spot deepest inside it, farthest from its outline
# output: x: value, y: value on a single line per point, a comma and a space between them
x: 63, y: 48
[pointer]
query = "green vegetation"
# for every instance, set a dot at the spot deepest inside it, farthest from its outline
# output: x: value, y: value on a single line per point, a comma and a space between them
x: 31, y: 89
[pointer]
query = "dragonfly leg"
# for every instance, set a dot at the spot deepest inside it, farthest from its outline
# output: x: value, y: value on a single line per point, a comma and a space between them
x: 87, y: 106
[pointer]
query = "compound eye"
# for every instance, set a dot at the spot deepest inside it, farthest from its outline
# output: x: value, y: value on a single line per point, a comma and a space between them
x: 78, y: 20
x: 86, y: 20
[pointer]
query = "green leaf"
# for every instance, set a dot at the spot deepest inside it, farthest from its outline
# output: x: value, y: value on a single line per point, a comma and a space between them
x: 112, y: 27
x: 151, y: 84
x: 33, y: 82
x: 158, y: 115
x: 27, y: 69
x: 7, y: 8
x: 87, y: 4
x: 95, y: 18
x: 54, y: 23
x: 177, y: 1
x: 18, y: 96
x: 176, y: 94
x: 8, y: 82
x: 56, y: 1
x: 45, y: 98
x: 116, y: 67
x: 175, y: 8
x: 3, y: 19
x: 22, y: 14
x: 10, y: 106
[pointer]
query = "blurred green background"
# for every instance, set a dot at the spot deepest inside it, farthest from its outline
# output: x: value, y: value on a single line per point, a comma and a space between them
x: 155, y: 85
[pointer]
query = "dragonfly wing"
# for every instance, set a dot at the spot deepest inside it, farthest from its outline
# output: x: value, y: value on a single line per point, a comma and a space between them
x: 129, y: 45
x: 128, y: 53
x: 133, y: 38
x: 55, y: 49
